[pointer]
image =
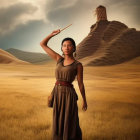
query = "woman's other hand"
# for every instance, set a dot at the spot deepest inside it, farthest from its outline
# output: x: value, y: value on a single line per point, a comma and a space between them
x: 84, y: 107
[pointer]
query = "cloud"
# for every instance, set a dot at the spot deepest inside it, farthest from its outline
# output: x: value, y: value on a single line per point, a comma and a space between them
x: 10, y: 16
x: 25, y: 36
x: 126, y: 11
x: 68, y: 12
x: 64, y: 12
x: 23, y: 24
x: 4, y: 3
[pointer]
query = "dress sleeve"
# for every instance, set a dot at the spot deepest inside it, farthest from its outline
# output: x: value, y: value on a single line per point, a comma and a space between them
x: 60, y: 59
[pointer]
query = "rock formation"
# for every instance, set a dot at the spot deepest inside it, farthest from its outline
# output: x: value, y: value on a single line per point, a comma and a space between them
x: 108, y: 43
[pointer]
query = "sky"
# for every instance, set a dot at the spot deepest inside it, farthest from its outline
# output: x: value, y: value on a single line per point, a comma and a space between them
x: 25, y: 23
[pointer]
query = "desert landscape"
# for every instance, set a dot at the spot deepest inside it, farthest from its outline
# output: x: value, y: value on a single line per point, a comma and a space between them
x: 112, y: 95
x: 110, y: 55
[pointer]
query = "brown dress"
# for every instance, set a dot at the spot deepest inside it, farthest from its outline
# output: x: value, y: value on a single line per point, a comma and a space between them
x: 65, y: 109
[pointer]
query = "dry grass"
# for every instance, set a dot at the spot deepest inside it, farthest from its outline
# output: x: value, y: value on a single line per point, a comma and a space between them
x: 112, y: 94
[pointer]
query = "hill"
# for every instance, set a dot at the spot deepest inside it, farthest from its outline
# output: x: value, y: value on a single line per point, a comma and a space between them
x: 7, y: 58
x: 31, y: 57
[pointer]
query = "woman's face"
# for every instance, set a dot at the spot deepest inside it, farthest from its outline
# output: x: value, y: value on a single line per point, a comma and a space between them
x: 67, y: 47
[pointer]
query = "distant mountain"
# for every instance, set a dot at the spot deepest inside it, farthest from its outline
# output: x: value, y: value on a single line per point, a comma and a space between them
x: 31, y: 57
x: 7, y: 58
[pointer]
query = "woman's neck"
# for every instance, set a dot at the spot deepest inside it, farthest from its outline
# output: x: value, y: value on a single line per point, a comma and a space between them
x: 68, y: 57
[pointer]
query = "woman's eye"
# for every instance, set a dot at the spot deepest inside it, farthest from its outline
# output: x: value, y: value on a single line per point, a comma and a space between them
x: 67, y: 45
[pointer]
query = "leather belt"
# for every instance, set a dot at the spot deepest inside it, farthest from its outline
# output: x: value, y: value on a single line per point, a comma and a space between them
x: 64, y: 83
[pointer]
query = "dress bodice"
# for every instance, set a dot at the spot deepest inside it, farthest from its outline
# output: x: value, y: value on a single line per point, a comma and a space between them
x: 66, y: 73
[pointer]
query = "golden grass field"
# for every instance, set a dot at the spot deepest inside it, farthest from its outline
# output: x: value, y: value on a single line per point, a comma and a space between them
x: 113, y: 97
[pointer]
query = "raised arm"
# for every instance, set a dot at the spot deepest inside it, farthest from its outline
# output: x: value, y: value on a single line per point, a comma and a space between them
x: 47, y: 49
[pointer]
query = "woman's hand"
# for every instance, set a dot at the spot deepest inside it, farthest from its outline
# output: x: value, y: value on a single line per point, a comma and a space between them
x: 55, y: 32
x: 84, y: 107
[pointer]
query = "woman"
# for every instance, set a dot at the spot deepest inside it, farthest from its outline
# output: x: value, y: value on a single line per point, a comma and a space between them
x: 65, y: 109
